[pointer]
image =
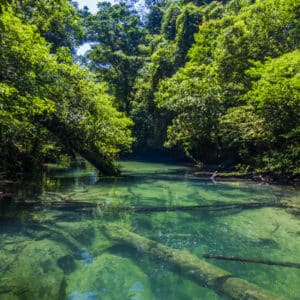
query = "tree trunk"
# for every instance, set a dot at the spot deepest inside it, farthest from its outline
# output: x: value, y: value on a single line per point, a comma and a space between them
x: 199, y: 271
x: 103, y: 164
x: 77, y: 143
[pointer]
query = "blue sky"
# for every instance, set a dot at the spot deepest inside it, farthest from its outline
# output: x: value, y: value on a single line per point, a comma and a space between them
x: 91, y: 4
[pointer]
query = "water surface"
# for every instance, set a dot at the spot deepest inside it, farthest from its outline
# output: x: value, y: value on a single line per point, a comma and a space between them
x: 48, y: 253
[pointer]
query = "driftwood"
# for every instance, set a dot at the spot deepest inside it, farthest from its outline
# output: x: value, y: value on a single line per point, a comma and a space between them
x: 198, y: 270
x: 254, y: 260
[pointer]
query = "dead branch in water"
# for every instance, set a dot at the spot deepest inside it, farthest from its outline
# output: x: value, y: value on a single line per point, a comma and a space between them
x: 254, y: 260
x: 77, y: 205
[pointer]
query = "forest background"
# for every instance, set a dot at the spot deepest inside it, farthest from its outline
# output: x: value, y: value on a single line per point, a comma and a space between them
x: 217, y: 81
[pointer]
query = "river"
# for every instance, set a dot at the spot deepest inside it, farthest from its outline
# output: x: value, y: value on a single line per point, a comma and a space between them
x: 53, y: 253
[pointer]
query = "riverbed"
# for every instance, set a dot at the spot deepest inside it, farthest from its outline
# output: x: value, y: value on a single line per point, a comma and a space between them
x: 52, y: 253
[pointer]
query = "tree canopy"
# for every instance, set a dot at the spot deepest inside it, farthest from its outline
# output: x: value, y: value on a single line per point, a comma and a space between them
x: 218, y: 80
x: 46, y: 100
x: 116, y: 54
x: 236, y: 99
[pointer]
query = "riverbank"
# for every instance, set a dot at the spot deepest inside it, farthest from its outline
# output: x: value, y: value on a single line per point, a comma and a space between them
x: 255, y: 177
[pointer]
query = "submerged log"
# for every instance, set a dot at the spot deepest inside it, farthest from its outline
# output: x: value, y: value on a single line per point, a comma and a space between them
x: 56, y: 234
x: 254, y: 260
x: 199, y: 271
x: 70, y: 204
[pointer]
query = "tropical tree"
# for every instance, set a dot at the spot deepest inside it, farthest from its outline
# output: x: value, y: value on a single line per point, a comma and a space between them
x: 45, y: 95
x: 213, y: 116
x: 117, y: 51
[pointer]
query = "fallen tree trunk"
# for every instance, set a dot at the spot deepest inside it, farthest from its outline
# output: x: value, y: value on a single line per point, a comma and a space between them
x: 78, y: 144
x: 99, y: 161
x: 199, y: 271
x: 58, y: 235
x: 254, y: 260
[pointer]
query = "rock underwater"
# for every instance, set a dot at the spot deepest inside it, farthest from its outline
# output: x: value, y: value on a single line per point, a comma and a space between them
x: 109, y: 277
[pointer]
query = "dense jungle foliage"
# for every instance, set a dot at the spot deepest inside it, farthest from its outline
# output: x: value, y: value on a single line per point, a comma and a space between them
x: 217, y: 80
x: 50, y: 106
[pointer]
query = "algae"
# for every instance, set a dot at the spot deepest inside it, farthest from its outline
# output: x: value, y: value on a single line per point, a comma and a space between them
x: 110, y: 277
x: 34, y: 272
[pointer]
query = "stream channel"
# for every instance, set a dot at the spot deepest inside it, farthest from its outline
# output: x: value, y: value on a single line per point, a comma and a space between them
x: 53, y: 253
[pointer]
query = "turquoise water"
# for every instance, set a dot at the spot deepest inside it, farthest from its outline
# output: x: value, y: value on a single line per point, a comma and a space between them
x: 48, y: 253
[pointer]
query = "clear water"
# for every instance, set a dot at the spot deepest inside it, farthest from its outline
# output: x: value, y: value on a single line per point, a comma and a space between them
x: 63, y: 254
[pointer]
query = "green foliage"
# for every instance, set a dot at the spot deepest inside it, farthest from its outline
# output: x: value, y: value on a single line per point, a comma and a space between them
x: 20, y: 139
x: 168, y: 26
x: 154, y: 17
x: 116, y: 55
x: 168, y: 53
x: 195, y: 97
x: 224, y: 109
x: 151, y: 123
x: 187, y: 24
x: 219, y: 79
x: 42, y: 92
x: 57, y: 21
x: 214, y: 10
x: 276, y: 93
x: 266, y: 130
